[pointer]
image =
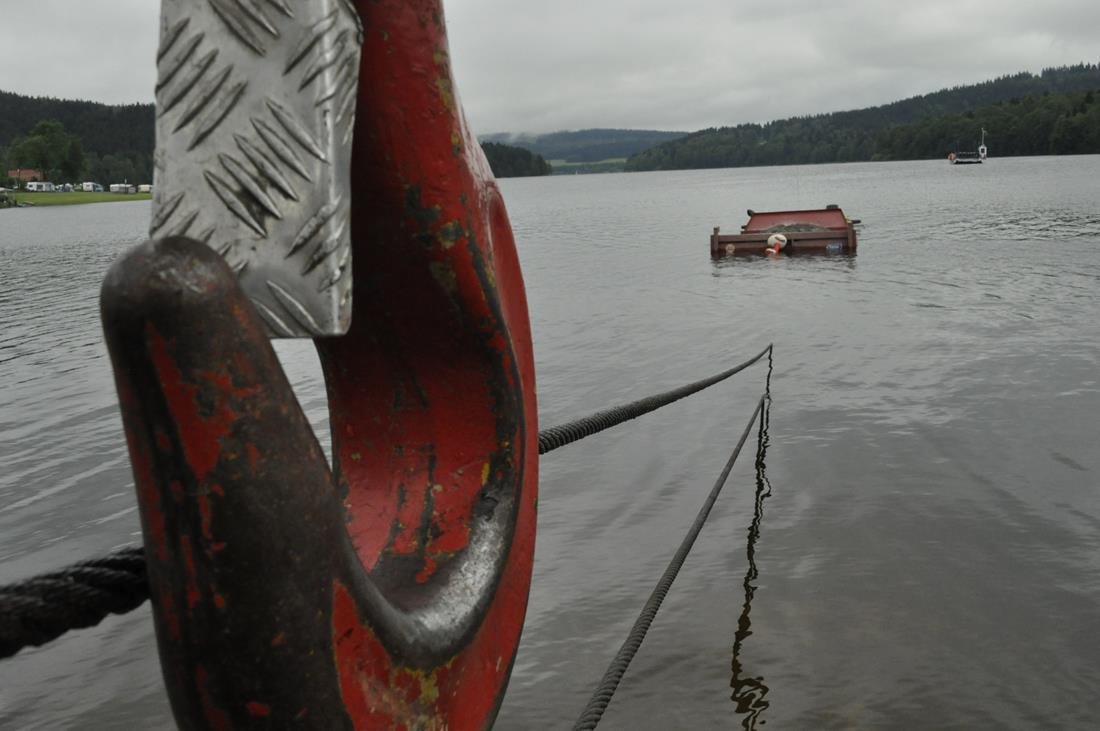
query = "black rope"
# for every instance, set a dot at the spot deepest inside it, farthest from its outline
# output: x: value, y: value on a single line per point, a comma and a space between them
x: 558, y: 436
x: 40, y: 609
x: 602, y: 696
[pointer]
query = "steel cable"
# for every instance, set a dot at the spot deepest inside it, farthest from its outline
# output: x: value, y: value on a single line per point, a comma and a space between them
x: 40, y: 609
x: 558, y: 436
x: 594, y: 711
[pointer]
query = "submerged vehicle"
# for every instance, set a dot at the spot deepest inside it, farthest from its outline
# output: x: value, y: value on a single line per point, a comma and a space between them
x: 821, y: 230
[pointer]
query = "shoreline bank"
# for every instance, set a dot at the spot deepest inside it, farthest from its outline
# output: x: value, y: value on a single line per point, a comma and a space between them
x: 37, y: 200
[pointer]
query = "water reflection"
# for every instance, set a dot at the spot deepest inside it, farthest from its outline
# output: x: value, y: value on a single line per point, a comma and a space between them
x: 838, y: 262
x: 750, y: 692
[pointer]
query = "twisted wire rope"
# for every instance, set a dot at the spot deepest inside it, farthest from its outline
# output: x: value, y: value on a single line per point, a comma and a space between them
x: 601, y: 697
x: 558, y: 436
x: 42, y: 608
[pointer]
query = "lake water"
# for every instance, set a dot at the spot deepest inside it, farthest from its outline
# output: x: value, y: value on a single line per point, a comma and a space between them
x: 927, y: 546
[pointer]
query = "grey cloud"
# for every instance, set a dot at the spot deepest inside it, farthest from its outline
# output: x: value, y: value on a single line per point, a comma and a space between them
x: 102, y: 50
x: 536, y: 66
x: 701, y: 63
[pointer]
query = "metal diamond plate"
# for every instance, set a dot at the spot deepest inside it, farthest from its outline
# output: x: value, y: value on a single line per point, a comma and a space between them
x: 255, y: 110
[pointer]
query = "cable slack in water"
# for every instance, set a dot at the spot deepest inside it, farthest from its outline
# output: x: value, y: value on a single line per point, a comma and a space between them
x: 594, y: 711
x: 749, y: 692
x: 40, y: 609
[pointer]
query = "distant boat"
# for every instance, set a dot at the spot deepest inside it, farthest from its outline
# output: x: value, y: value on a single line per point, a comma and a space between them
x: 959, y: 157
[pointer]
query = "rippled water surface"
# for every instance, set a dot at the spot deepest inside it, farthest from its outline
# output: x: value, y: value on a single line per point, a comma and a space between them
x: 926, y: 546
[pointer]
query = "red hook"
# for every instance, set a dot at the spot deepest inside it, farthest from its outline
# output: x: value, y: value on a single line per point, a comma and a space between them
x: 391, y: 590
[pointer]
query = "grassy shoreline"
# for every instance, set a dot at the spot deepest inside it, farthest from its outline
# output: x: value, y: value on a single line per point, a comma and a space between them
x: 75, y: 199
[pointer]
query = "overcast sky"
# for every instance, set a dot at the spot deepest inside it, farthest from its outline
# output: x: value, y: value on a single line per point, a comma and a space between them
x: 527, y: 66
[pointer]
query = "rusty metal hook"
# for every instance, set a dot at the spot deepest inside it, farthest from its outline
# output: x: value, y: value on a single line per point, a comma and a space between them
x: 390, y: 590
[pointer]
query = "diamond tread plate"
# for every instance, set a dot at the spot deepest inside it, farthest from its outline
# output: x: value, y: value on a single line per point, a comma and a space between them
x: 255, y: 110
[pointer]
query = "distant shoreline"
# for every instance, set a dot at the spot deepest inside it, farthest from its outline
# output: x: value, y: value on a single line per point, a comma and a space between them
x: 44, y: 200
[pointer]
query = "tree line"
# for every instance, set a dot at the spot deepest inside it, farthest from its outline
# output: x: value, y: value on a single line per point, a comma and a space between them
x: 59, y: 156
x: 586, y: 145
x: 50, y: 150
x: 72, y: 141
x: 116, y: 141
x: 1049, y: 124
x: 1053, y: 112
x: 868, y: 134
x: 514, y: 162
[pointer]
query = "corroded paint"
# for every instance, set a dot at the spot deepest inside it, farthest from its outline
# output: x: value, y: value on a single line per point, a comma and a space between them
x: 200, y: 432
x: 215, y: 718
x: 391, y: 590
x: 191, y: 581
x: 447, y: 323
x: 260, y: 710
x: 372, y: 702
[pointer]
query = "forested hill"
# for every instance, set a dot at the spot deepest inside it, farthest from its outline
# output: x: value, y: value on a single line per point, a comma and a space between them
x: 586, y: 145
x: 854, y: 135
x: 103, y: 129
x: 117, y: 140
x: 1048, y: 124
x: 514, y: 162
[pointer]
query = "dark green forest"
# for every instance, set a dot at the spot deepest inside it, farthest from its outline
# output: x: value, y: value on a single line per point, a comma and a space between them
x: 116, y: 141
x: 1049, y: 124
x: 943, y: 118
x: 51, y: 150
x: 1054, y: 112
x: 112, y: 144
x: 514, y: 162
x: 587, y: 145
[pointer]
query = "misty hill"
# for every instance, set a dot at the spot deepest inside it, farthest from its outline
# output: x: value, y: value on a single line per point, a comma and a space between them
x: 586, y: 145
x: 854, y: 135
